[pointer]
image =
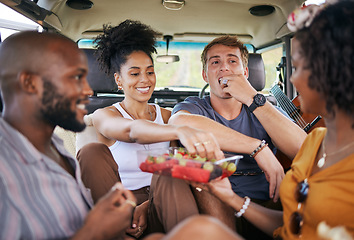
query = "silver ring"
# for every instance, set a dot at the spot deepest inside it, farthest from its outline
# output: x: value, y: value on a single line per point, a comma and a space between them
x: 206, y: 142
x: 139, y: 229
x: 197, y: 144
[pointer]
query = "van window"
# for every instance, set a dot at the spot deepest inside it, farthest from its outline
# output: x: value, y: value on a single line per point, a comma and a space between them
x: 271, y: 59
x: 184, y: 75
x: 12, y: 22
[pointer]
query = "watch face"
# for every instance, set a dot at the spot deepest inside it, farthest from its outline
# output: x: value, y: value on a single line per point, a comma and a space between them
x: 259, y: 99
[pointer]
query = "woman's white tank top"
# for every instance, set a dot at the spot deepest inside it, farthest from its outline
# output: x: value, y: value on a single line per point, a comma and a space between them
x: 125, y: 155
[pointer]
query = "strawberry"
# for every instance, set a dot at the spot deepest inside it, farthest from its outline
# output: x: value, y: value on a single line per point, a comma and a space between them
x: 150, y: 159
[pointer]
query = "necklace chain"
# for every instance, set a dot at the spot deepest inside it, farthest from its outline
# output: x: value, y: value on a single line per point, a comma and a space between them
x: 321, y: 162
x: 150, y: 113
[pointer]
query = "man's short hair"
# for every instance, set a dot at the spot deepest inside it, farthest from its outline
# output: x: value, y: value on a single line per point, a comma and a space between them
x: 230, y: 41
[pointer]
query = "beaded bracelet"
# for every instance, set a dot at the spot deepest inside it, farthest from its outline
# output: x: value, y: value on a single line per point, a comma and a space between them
x: 244, y: 207
x: 259, y: 148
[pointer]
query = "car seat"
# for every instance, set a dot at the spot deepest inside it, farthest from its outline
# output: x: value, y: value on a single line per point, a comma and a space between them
x: 105, y: 93
x: 257, y: 76
x: 105, y: 90
x: 256, y: 71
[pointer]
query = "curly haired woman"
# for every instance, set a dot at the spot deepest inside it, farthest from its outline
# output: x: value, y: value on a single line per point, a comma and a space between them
x: 319, y: 188
x: 133, y: 124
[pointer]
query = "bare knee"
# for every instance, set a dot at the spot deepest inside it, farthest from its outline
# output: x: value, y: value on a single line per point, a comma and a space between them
x: 202, y: 227
x: 154, y: 236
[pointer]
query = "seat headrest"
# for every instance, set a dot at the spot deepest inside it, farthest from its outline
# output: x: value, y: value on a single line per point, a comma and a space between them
x: 99, y: 81
x: 256, y: 71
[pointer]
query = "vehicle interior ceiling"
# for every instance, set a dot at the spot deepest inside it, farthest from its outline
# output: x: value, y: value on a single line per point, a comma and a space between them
x: 261, y: 24
x: 197, y: 20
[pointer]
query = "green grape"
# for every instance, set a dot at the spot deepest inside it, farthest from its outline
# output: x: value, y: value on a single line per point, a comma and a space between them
x: 208, y: 166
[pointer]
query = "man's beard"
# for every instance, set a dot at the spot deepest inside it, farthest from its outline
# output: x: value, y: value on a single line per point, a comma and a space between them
x: 56, y: 109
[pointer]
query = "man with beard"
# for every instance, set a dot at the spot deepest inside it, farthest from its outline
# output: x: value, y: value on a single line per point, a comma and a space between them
x: 43, y: 85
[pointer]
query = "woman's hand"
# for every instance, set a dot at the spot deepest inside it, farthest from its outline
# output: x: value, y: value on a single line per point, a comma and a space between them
x: 273, y: 171
x: 219, y: 188
x: 139, y: 223
x: 199, y: 142
x: 238, y: 87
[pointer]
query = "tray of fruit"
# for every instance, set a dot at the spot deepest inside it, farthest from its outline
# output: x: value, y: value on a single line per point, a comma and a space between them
x: 178, y: 163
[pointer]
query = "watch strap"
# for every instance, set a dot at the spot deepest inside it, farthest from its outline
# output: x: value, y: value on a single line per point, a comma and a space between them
x: 253, y: 106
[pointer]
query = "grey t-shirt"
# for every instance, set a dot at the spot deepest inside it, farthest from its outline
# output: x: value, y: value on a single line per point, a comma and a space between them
x: 256, y: 187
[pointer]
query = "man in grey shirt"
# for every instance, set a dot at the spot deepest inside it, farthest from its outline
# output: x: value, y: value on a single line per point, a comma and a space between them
x: 244, y: 123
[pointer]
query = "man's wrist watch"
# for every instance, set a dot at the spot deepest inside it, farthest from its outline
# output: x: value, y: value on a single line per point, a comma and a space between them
x: 258, y: 101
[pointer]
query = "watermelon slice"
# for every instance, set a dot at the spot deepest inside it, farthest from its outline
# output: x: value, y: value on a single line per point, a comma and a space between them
x: 158, y: 167
x: 145, y: 166
x: 179, y: 163
x: 190, y: 173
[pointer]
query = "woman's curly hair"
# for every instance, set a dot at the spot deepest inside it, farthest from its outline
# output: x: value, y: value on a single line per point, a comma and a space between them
x: 328, y: 48
x: 116, y: 43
